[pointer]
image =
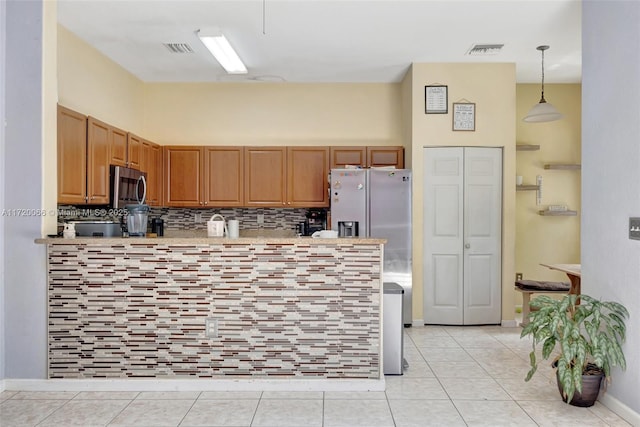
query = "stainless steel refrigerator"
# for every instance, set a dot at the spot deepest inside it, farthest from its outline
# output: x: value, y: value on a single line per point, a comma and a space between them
x: 377, y: 203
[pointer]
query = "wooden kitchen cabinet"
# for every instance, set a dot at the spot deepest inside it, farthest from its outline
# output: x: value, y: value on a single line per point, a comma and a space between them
x: 307, y: 176
x: 353, y: 156
x: 223, y: 176
x: 125, y: 148
x: 385, y: 156
x: 183, y: 176
x: 366, y: 157
x: 72, y: 157
x: 265, y: 176
x: 286, y: 176
x: 117, y: 146
x: 98, y: 156
x: 151, y: 163
x: 203, y: 176
x: 134, y: 151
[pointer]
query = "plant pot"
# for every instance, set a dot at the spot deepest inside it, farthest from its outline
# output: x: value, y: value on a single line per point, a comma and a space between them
x: 590, y: 387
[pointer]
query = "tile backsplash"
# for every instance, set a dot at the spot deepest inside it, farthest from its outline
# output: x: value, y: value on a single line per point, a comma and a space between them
x: 186, y: 219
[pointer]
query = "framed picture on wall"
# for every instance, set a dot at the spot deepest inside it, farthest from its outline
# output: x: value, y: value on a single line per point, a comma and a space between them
x: 436, y: 99
x: 464, y: 116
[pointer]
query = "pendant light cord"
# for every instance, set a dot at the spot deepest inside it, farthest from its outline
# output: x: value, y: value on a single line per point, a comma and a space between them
x: 542, y: 99
x: 264, y: 19
x: 542, y: 49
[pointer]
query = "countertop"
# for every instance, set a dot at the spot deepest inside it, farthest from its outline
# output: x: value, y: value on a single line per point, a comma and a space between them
x: 208, y: 240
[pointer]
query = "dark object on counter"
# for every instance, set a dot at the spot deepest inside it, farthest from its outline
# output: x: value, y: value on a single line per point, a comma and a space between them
x: 97, y: 228
x: 157, y: 226
x: 316, y: 221
x: 302, y: 228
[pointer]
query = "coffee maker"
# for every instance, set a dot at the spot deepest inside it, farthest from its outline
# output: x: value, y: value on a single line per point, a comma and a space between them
x: 316, y: 221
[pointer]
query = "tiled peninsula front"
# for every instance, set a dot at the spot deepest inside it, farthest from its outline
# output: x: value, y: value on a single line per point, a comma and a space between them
x: 296, y: 308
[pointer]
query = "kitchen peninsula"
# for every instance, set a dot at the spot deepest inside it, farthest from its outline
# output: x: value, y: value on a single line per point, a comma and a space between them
x: 215, y: 308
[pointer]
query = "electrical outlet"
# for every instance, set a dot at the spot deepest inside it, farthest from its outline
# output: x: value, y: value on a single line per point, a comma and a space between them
x: 518, y: 276
x: 634, y: 228
x: 211, y: 328
x: 197, y: 217
x: 260, y: 218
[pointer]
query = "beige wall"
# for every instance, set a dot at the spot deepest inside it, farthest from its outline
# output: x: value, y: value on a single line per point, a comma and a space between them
x: 492, y: 88
x: 544, y: 239
x: 273, y: 114
x: 92, y: 84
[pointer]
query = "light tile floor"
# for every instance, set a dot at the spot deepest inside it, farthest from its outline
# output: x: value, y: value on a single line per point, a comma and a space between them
x: 457, y: 376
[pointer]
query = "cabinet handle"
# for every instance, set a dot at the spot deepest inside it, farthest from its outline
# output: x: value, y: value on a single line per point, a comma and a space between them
x: 206, y: 203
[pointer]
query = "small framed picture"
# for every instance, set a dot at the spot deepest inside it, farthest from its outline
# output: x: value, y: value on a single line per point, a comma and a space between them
x: 436, y: 99
x: 464, y: 116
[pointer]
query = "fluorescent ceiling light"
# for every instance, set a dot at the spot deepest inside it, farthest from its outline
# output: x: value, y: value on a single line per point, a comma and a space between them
x: 220, y: 48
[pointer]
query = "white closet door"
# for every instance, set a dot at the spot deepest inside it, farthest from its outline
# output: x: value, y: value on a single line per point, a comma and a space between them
x: 482, y: 235
x: 462, y: 235
x: 443, y: 235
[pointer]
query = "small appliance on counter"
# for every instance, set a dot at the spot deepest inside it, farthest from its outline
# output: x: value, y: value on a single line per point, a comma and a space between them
x: 97, y: 228
x: 157, y: 226
x: 137, y: 220
x: 316, y: 221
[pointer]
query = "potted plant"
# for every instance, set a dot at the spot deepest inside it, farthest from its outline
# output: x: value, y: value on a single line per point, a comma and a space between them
x: 588, y: 334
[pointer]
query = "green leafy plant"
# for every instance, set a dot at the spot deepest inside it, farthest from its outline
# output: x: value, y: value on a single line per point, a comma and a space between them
x: 585, y: 330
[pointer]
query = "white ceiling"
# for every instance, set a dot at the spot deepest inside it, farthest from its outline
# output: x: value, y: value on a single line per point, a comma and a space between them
x: 329, y: 41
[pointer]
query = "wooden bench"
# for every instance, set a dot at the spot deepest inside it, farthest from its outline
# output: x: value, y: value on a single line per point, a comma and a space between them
x: 528, y: 287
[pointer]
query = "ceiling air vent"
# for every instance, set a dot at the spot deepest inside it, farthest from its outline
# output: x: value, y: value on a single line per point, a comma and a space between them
x: 178, y: 47
x: 485, y: 49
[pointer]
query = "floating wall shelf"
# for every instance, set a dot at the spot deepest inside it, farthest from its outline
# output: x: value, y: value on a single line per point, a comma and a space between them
x: 563, y: 166
x: 558, y: 213
x: 526, y: 187
x: 527, y: 147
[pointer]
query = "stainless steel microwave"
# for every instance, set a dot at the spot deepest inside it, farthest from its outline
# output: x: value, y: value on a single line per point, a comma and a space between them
x: 128, y: 186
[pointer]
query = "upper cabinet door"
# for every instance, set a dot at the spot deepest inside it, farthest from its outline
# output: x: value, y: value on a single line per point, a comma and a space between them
x: 353, y: 156
x: 149, y: 164
x: 134, y: 151
x: 265, y: 176
x: 183, y: 172
x: 98, y: 142
x: 307, y: 176
x: 385, y: 156
x: 72, y: 156
x: 118, y: 146
x: 223, y: 176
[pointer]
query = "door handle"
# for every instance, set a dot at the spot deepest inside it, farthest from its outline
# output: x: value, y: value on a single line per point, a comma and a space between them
x: 467, y: 246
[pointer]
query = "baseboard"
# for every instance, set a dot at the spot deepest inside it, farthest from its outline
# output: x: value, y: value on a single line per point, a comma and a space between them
x: 622, y: 410
x: 418, y: 322
x: 509, y: 323
x: 193, y: 385
x: 2, y: 386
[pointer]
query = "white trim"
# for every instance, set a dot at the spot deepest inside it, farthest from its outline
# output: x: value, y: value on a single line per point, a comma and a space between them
x: 193, y: 385
x: 620, y: 409
x: 509, y: 323
x: 418, y: 322
x: 2, y: 386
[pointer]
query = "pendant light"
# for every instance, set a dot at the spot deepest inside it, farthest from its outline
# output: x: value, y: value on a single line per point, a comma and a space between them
x: 542, y: 111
